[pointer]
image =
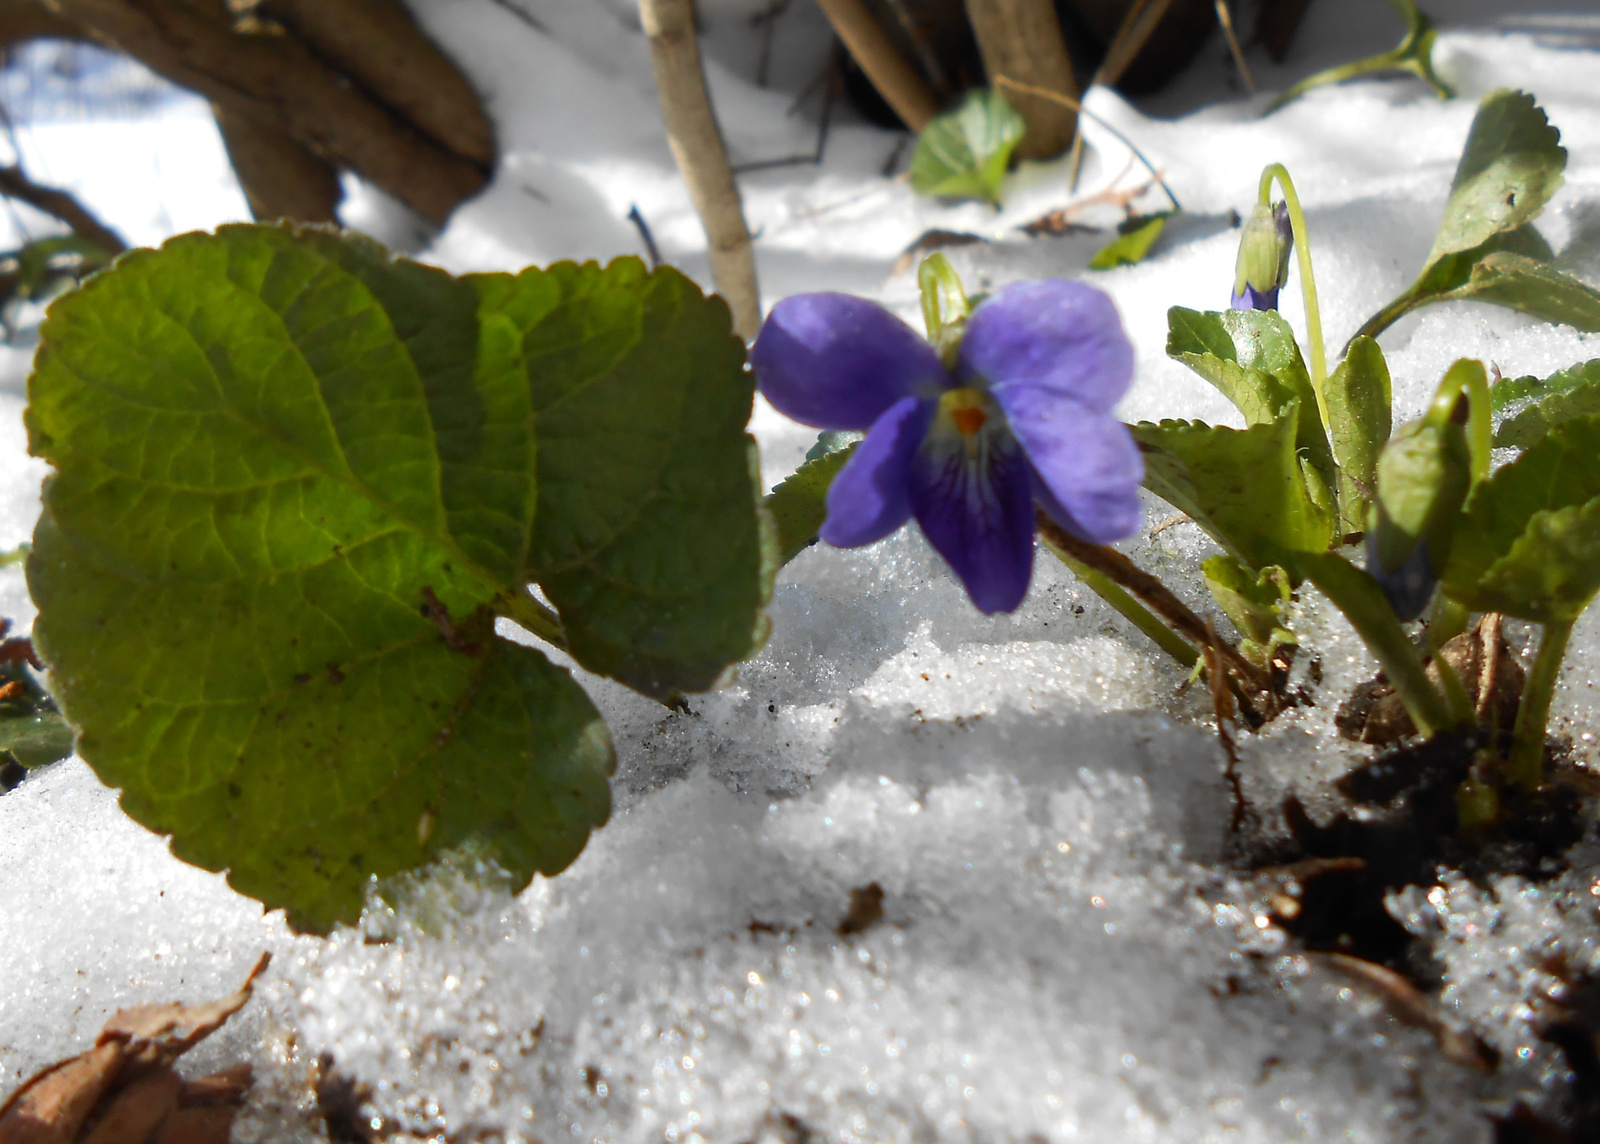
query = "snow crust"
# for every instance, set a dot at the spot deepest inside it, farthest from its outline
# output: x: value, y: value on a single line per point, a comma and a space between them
x: 1035, y: 807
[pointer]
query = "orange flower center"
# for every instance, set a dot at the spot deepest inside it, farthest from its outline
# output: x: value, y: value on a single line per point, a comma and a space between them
x: 966, y: 409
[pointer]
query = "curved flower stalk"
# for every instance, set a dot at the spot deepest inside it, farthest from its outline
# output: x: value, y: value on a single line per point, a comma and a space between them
x: 1012, y: 407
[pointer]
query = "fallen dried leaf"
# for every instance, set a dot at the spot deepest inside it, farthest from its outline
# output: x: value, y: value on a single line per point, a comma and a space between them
x: 123, y: 1091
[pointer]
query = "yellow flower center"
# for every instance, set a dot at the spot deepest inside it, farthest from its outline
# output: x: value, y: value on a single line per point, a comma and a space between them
x: 965, y: 407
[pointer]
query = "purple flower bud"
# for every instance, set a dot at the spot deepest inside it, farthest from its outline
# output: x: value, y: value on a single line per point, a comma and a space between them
x: 1023, y: 415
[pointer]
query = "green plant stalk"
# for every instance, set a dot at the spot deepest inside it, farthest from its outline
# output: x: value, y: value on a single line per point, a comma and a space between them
x: 1525, y: 767
x: 1413, y: 54
x: 533, y: 617
x: 1308, y: 285
x: 1129, y: 608
x: 1446, y: 620
x: 1358, y: 596
x: 1469, y: 376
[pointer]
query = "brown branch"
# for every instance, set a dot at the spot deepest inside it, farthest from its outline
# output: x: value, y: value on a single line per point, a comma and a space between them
x: 1022, y: 39
x: 702, y: 159
x: 54, y: 201
x: 276, y: 76
x: 279, y: 177
x: 896, y: 80
x: 376, y: 43
x: 29, y: 20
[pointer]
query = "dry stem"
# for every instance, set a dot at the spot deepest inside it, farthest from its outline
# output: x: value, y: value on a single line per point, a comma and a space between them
x: 14, y: 184
x: 896, y: 80
x: 1022, y: 39
x: 279, y: 177
x: 702, y: 159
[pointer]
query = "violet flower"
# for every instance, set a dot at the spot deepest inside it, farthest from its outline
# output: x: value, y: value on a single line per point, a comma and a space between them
x: 1263, y: 263
x: 1021, y: 413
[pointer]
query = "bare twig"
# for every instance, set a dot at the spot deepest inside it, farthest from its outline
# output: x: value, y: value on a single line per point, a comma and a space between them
x: 896, y: 80
x: 702, y: 159
x: 53, y: 201
x: 1008, y: 81
x: 1225, y: 18
x: 1022, y: 39
x: 1137, y: 25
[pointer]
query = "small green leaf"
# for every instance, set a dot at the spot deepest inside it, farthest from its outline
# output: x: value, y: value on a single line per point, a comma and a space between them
x: 799, y: 503
x: 1574, y: 392
x: 1510, y: 167
x: 1359, y: 407
x: 1245, y: 487
x: 963, y: 154
x: 1253, y: 601
x: 295, y: 479
x: 1135, y: 237
x: 36, y: 739
x: 1527, y: 543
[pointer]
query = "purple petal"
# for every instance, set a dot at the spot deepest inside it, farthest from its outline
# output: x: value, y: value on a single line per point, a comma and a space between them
x: 1062, y: 336
x: 1088, y: 465
x: 1253, y: 299
x: 868, y: 499
x: 977, y: 512
x: 838, y: 362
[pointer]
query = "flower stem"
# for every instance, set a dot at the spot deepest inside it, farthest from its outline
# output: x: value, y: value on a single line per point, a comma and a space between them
x: 1525, y: 767
x: 1152, y: 593
x: 1308, y: 284
x: 1130, y: 609
x: 532, y: 616
x: 1357, y: 595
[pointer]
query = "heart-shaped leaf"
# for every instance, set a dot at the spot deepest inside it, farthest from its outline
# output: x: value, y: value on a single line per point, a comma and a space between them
x: 1246, y: 487
x: 296, y: 479
x: 1361, y: 419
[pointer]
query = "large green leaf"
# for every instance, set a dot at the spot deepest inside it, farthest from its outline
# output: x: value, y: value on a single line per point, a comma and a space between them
x: 1529, y: 542
x: 963, y: 154
x: 295, y: 478
x: 1574, y: 392
x: 1510, y: 167
x: 1361, y: 419
x: 1253, y: 358
x: 1246, y: 487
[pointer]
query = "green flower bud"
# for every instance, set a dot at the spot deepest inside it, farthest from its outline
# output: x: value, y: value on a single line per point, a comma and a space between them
x: 1263, y: 263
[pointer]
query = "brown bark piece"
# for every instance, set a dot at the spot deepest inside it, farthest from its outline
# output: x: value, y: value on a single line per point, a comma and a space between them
x: 275, y: 75
x: 196, y: 1126
x: 280, y: 178
x: 229, y: 1086
x: 1021, y: 40
x: 377, y: 44
x: 134, y: 1112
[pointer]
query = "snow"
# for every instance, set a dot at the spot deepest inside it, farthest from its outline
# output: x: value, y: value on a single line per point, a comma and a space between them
x: 1060, y: 955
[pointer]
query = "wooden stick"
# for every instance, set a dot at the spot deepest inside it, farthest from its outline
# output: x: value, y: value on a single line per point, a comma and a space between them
x: 896, y: 80
x: 1022, y: 39
x: 702, y: 159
